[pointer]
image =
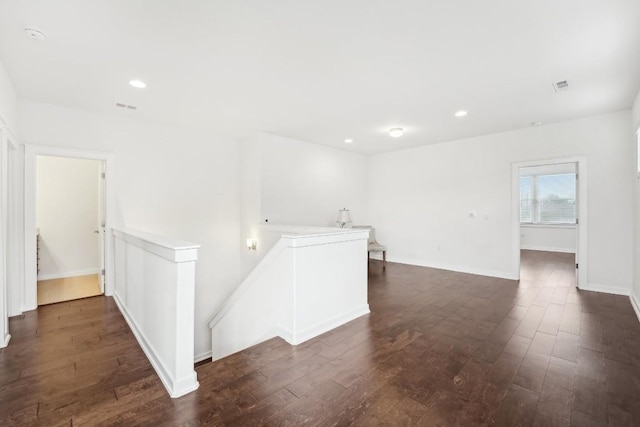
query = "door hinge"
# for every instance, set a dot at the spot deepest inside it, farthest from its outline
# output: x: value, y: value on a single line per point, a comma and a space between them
x: 102, y: 224
x: 577, y: 221
x: 103, y: 175
x: 102, y: 271
x: 576, y: 266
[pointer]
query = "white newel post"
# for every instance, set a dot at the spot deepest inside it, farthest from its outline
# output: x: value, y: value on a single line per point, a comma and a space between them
x: 186, y: 380
x: 155, y: 291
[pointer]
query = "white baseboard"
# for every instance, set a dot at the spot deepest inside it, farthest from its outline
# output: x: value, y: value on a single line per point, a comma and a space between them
x: 221, y: 354
x: 635, y: 305
x: 202, y: 356
x: 547, y: 249
x: 28, y: 308
x: 594, y: 287
x: 5, y: 342
x: 175, y: 387
x: 325, y: 326
x: 68, y: 274
x: 449, y: 267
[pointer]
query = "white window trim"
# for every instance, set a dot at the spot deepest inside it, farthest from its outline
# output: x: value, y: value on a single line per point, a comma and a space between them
x: 568, y: 225
x: 534, y: 188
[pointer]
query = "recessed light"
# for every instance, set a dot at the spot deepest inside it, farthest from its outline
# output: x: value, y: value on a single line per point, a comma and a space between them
x: 348, y: 141
x: 35, y: 34
x: 396, y: 132
x: 138, y: 84
x: 536, y: 124
x: 460, y: 113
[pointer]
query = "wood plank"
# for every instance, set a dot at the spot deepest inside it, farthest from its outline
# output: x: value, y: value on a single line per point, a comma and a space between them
x: 438, y: 347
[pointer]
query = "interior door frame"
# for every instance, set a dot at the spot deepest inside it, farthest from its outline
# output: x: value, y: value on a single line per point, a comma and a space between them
x: 102, y: 234
x: 581, y: 227
x: 31, y: 152
x: 9, y: 260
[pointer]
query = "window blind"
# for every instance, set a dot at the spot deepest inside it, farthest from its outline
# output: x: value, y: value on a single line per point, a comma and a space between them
x: 548, y: 199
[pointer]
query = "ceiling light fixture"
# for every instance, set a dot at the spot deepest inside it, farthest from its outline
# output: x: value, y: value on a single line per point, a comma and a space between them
x: 348, y: 141
x: 460, y: 113
x: 34, y: 34
x: 536, y: 124
x: 396, y: 132
x: 138, y: 84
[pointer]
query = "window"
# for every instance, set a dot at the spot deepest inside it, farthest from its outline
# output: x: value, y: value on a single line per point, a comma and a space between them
x: 548, y: 199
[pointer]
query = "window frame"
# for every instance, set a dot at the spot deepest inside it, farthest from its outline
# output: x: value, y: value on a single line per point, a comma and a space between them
x: 535, y: 211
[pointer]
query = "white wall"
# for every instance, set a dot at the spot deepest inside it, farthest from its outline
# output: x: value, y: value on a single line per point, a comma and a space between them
x: 420, y: 198
x: 307, y: 184
x: 206, y: 187
x: 8, y: 99
x: 548, y: 238
x: 171, y: 181
x: 296, y: 183
x: 635, y: 112
x: 635, y: 295
x: 67, y: 200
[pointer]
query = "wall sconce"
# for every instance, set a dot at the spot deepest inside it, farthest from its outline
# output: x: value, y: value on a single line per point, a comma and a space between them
x: 251, y: 244
x: 344, y: 217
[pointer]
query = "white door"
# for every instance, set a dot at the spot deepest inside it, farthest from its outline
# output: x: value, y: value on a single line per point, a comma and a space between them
x: 577, y: 223
x: 101, y: 222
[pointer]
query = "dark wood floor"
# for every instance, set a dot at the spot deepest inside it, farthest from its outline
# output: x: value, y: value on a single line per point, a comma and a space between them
x: 439, y: 348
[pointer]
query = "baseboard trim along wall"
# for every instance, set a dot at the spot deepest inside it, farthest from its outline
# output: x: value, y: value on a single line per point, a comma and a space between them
x: 322, y: 327
x: 180, y: 387
x: 68, y: 274
x: 202, y: 356
x: 591, y: 287
x: 547, y: 249
x: 594, y: 287
x: 456, y: 268
x: 635, y: 305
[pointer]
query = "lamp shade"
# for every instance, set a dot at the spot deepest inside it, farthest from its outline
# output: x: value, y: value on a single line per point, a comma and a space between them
x: 344, y: 216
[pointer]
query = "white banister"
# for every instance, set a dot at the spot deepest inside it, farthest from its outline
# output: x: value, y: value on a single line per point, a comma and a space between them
x: 155, y: 291
x: 311, y: 281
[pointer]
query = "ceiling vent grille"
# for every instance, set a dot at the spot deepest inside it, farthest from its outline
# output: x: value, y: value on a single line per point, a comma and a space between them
x: 126, y: 106
x: 560, y: 86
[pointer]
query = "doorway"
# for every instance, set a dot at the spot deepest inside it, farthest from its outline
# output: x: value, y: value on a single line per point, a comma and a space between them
x: 549, y: 220
x: 31, y: 154
x: 69, y: 228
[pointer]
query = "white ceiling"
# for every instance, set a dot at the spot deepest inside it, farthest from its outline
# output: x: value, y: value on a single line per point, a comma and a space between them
x: 323, y: 71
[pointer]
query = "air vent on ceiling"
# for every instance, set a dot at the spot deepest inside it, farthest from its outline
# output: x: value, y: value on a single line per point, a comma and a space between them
x: 128, y: 107
x: 32, y: 33
x: 560, y: 86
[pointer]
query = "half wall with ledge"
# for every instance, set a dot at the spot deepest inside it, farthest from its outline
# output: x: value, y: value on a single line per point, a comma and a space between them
x: 155, y: 291
x: 311, y: 281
